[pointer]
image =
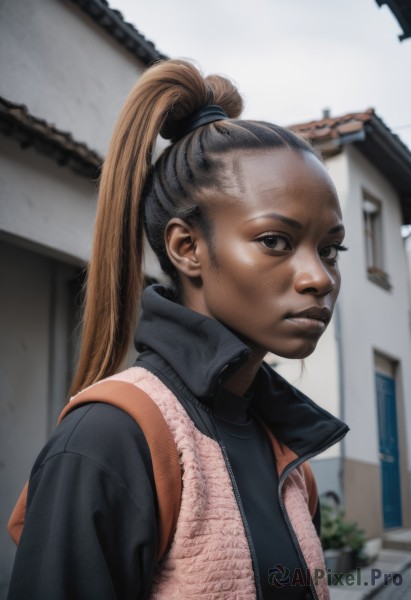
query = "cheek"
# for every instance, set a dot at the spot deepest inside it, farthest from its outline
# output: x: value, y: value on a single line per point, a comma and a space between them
x: 336, y: 291
x: 247, y: 284
x: 229, y: 288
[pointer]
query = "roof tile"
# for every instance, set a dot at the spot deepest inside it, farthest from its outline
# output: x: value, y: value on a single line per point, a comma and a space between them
x: 127, y: 35
x: 17, y: 122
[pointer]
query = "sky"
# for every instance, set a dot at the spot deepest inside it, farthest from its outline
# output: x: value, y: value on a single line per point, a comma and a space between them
x: 291, y: 59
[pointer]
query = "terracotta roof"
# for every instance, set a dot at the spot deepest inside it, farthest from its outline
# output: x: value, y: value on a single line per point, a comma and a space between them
x: 126, y: 34
x: 367, y: 132
x: 333, y: 128
x: 402, y: 12
x: 16, y: 122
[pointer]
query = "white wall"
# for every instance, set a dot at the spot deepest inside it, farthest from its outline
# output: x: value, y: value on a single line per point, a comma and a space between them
x: 24, y: 378
x: 372, y: 318
x: 318, y: 379
x: 71, y: 73
x: 45, y: 204
x: 64, y: 67
x: 407, y: 246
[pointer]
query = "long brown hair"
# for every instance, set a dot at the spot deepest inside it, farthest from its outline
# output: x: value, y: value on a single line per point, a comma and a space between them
x: 133, y: 192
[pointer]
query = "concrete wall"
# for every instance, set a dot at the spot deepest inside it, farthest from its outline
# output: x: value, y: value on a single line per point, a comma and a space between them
x: 46, y: 221
x: 64, y: 67
x: 363, y: 498
x: 373, y: 320
x: 69, y: 72
x: 44, y: 204
x: 368, y: 320
x: 316, y: 376
x: 34, y: 369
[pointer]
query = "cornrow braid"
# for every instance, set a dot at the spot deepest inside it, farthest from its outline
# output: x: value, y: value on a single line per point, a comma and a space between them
x: 191, y: 166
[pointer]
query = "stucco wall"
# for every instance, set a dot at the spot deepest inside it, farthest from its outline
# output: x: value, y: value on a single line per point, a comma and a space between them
x: 317, y: 377
x: 369, y: 319
x: 72, y: 74
x: 26, y: 381
x: 45, y: 204
x: 64, y: 67
x: 372, y: 318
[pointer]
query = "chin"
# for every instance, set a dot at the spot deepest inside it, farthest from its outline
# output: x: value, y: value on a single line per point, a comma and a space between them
x: 303, y: 351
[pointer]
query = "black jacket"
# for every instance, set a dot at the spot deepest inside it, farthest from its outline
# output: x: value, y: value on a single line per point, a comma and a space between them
x: 91, y: 521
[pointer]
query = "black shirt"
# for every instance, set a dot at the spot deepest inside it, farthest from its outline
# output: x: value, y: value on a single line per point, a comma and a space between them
x: 252, y: 460
x: 91, y: 527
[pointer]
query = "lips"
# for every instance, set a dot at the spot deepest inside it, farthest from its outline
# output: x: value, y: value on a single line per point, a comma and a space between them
x: 310, y: 321
x: 314, y: 312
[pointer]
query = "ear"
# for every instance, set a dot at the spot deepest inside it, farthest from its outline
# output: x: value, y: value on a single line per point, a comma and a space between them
x: 181, y: 240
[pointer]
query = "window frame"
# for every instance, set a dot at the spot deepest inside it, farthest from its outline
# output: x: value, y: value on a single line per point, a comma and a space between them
x: 373, y: 233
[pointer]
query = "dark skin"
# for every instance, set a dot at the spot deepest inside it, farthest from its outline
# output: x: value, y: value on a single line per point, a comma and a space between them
x: 276, y: 238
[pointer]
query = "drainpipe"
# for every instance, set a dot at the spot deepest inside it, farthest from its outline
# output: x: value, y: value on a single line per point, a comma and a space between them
x: 341, y: 390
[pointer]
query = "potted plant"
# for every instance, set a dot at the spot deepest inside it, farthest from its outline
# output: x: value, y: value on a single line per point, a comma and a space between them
x: 342, y: 541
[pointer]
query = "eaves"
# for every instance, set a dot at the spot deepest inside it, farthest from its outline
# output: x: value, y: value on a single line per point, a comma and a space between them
x: 401, y: 10
x: 124, y: 33
x: 17, y: 123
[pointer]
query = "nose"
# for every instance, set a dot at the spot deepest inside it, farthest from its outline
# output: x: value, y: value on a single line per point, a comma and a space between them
x: 314, y: 277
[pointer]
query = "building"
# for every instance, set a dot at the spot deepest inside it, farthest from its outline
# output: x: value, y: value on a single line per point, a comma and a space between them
x: 66, y: 68
x: 361, y: 369
x: 401, y: 9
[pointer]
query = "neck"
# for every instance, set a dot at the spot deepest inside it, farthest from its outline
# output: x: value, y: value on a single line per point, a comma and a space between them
x: 240, y: 382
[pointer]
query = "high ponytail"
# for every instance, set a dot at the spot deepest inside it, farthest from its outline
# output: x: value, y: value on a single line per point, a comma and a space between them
x: 169, y: 91
x: 132, y: 191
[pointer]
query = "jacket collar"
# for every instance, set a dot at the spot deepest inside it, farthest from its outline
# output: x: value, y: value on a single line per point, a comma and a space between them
x: 199, y: 349
x: 204, y: 353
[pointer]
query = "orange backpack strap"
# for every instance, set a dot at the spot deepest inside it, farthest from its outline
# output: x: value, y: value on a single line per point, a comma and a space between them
x: 163, y: 450
x: 283, y: 456
x: 16, y: 521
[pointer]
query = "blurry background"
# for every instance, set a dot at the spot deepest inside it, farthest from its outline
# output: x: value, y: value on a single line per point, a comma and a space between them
x: 66, y: 67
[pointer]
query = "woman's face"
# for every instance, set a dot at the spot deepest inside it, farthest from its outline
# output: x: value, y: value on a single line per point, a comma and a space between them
x: 275, y: 240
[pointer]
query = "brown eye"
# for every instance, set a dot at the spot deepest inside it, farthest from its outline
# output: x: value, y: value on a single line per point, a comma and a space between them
x: 329, y: 252
x: 332, y: 252
x: 275, y: 242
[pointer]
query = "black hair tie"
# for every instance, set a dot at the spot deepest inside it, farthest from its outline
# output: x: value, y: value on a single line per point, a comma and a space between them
x: 207, y: 114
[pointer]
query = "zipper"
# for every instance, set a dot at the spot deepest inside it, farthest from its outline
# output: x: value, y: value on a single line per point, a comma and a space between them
x: 213, y: 433
x: 245, y: 522
x: 283, y: 477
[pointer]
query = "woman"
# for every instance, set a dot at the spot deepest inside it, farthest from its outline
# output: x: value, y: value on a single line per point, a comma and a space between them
x: 245, y: 221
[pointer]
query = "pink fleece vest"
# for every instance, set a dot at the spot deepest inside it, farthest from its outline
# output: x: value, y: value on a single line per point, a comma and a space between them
x: 210, y: 557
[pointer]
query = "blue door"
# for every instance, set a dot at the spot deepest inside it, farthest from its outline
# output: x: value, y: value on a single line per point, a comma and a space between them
x: 389, y: 454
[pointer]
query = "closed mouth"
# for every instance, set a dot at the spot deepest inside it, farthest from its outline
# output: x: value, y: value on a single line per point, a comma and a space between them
x: 313, y: 313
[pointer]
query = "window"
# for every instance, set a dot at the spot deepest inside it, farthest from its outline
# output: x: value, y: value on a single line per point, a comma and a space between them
x: 372, y: 215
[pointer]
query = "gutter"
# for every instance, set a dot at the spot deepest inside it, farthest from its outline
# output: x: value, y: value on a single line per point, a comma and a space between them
x: 341, y: 389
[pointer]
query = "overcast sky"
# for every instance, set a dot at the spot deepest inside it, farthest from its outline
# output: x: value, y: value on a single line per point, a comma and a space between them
x: 290, y: 58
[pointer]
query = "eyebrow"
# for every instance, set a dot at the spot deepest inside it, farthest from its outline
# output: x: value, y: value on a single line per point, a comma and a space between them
x: 282, y: 218
x: 337, y: 229
x: 293, y: 223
